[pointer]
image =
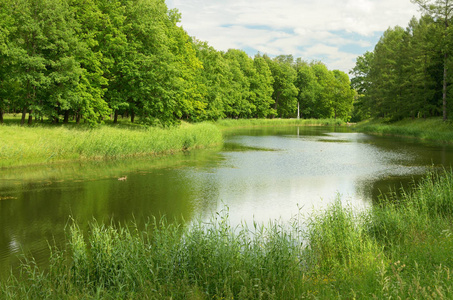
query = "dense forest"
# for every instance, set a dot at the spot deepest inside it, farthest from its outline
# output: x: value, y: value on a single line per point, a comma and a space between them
x: 406, y: 76
x: 89, y: 60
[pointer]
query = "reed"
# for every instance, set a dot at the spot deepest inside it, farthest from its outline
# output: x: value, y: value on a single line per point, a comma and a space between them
x: 433, y: 129
x: 44, y: 144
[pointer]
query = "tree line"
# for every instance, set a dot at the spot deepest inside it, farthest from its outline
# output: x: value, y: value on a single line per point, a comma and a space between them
x: 406, y: 76
x: 89, y: 60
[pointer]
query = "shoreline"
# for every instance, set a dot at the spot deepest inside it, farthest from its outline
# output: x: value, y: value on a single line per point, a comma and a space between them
x: 47, y: 144
x: 432, y: 130
x: 44, y: 144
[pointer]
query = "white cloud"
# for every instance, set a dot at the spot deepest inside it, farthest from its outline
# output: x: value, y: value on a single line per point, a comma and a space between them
x: 336, y: 31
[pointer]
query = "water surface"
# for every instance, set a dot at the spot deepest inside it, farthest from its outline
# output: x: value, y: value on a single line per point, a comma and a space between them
x: 260, y: 174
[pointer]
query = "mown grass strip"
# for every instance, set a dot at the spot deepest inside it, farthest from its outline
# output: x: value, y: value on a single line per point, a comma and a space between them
x: 402, y: 249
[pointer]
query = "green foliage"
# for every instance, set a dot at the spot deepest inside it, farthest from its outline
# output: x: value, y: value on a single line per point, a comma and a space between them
x: 93, y: 59
x: 407, y: 73
x: 285, y: 91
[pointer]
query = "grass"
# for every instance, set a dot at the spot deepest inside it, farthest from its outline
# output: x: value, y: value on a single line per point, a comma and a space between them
x: 425, y: 129
x: 44, y: 144
x: 402, y: 248
x: 240, y: 123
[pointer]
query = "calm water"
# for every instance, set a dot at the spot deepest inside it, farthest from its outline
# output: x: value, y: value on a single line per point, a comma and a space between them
x: 260, y: 174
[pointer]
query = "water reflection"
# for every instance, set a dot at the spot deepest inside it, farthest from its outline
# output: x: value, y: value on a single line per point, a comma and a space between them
x: 260, y: 174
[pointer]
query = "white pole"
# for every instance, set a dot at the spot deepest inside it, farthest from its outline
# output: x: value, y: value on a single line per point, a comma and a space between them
x: 298, y: 111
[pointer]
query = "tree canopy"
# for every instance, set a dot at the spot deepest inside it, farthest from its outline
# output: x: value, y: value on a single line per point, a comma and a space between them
x: 407, y: 73
x: 89, y: 60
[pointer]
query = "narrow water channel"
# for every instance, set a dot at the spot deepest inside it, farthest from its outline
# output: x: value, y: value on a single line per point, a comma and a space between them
x: 259, y: 174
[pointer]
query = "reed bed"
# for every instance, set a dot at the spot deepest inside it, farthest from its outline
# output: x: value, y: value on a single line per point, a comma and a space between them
x: 44, y: 144
x: 400, y: 249
x: 425, y: 129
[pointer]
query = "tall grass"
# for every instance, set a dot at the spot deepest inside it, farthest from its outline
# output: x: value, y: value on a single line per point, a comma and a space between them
x: 38, y: 144
x: 402, y: 249
x: 425, y: 129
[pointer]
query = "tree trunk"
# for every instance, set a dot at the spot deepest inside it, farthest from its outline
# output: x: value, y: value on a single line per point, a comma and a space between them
x: 1, y: 116
x: 66, y: 117
x: 132, y: 116
x: 444, y: 90
x: 24, y: 113
x: 30, y: 117
x: 115, y: 117
x: 78, y: 118
x: 276, y: 102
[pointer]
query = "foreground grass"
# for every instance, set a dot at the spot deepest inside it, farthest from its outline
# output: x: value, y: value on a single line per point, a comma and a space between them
x: 402, y: 249
x: 44, y: 144
x: 425, y: 129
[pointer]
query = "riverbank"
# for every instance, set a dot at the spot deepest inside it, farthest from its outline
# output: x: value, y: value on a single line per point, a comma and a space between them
x: 23, y: 145
x: 45, y: 143
x: 400, y: 249
x: 424, y: 129
x: 243, y: 123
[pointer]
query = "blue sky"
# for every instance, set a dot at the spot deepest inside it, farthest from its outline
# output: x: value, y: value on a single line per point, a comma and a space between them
x: 332, y: 31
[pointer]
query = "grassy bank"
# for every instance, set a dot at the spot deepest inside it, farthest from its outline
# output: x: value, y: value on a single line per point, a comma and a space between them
x: 44, y: 144
x: 240, y: 123
x: 402, y: 249
x: 424, y: 129
x: 41, y: 143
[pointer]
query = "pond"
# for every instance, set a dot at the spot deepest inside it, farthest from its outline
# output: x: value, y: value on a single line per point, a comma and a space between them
x: 258, y: 175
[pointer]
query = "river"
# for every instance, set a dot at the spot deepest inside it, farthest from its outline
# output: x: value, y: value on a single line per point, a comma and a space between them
x: 258, y: 175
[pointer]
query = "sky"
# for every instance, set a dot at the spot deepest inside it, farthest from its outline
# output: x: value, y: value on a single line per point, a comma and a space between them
x: 332, y: 31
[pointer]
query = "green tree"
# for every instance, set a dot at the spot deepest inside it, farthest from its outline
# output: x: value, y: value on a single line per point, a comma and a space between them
x: 43, y: 52
x: 27, y: 40
x: 159, y: 65
x: 343, y: 96
x: 88, y: 97
x: 418, y: 85
x: 238, y: 105
x: 442, y: 11
x: 285, y: 92
x: 118, y: 54
x: 362, y: 83
x: 61, y: 47
x: 261, y: 85
x: 212, y: 80
x: 386, y: 75
x: 323, y: 91
x: 4, y: 62
x: 306, y: 84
